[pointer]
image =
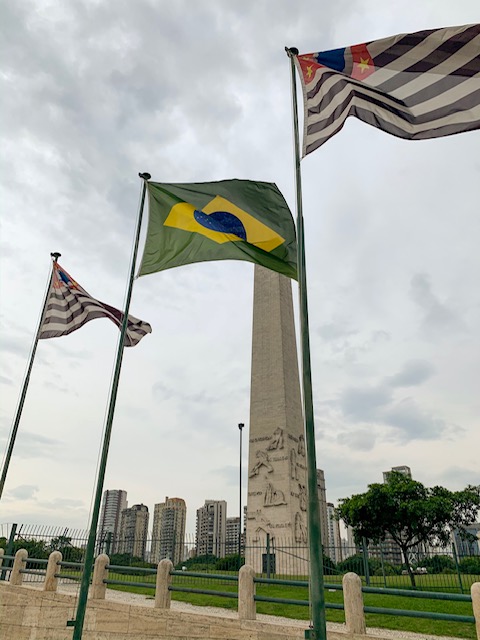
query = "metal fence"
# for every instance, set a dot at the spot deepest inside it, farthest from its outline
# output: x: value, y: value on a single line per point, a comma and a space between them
x: 262, y: 592
x: 433, y: 569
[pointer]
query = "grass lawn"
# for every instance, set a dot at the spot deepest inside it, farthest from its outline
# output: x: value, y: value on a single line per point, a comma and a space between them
x: 434, y: 627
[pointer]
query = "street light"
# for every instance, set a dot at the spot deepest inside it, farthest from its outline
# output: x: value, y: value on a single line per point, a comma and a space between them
x: 240, y: 427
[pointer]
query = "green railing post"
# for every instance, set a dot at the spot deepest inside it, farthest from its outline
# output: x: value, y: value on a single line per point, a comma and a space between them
x: 365, y: 561
x: 108, y: 543
x: 457, y: 566
x: 268, y: 555
x: 383, y: 566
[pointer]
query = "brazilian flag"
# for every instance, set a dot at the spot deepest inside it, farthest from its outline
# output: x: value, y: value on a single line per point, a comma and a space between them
x: 225, y: 220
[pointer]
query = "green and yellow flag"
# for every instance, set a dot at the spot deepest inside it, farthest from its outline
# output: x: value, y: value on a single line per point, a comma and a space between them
x: 225, y: 220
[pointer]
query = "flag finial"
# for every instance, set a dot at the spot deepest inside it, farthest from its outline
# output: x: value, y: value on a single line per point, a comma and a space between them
x: 291, y: 51
x: 55, y: 256
x: 145, y: 176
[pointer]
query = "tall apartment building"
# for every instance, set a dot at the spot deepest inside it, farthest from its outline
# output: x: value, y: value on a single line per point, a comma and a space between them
x: 113, y: 503
x: 334, y: 539
x: 350, y: 547
x: 322, y: 502
x: 469, y: 546
x: 389, y: 549
x: 401, y: 469
x: 133, y: 531
x: 232, y: 534
x: 168, y: 534
x: 211, y: 528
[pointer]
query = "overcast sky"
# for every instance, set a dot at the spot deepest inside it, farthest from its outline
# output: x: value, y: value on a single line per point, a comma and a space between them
x: 94, y: 92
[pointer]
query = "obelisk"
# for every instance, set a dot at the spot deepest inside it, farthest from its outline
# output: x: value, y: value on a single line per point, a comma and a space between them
x: 277, y: 497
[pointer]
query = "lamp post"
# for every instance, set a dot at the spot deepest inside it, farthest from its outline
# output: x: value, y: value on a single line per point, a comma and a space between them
x: 240, y: 427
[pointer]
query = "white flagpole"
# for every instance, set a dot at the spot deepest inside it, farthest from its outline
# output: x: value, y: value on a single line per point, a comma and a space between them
x: 23, y: 394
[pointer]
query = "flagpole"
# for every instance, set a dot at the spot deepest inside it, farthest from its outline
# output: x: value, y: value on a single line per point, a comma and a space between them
x: 26, y: 382
x: 318, y: 631
x: 90, y: 550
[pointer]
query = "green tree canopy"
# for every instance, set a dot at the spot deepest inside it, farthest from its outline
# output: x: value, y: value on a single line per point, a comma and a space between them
x: 410, y: 512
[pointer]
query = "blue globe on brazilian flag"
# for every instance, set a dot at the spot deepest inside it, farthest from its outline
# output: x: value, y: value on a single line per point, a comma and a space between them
x: 225, y: 220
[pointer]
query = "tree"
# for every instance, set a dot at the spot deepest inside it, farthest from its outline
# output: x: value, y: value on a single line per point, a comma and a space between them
x: 356, y: 564
x: 68, y: 550
x: 410, y: 512
x: 36, y: 548
x: 229, y: 563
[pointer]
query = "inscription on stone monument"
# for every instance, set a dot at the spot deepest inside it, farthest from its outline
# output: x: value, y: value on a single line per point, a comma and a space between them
x: 273, y: 497
x: 293, y: 465
x: 301, y: 445
x: 262, y: 461
x: 302, y: 494
x: 300, y: 529
x: 277, y: 440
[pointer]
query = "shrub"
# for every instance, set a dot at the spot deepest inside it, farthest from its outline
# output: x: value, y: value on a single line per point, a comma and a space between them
x: 355, y: 564
x: 438, y: 563
x: 229, y: 563
x: 470, y: 565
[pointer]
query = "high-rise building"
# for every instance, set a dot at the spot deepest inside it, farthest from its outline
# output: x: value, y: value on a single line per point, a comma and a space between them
x: 324, y: 524
x: 232, y: 534
x: 211, y: 528
x: 401, y: 469
x: 113, y: 503
x: 469, y: 546
x: 334, y: 539
x: 389, y: 549
x: 133, y: 531
x: 168, y: 533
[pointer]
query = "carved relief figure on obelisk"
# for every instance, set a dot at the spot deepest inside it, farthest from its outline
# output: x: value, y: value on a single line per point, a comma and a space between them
x: 276, y: 503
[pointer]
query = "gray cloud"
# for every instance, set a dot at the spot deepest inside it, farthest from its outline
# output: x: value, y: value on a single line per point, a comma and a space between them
x: 62, y: 503
x: 334, y: 331
x: 50, y: 384
x: 5, y: 380
x: 457, y: 478
x: 411, y: 423
x: 414, y: 372
x: 228, y: 474
x: 365, y: 403
x: 437, y: 316
x: 358, y: 439
x: 34, y: 445
x: 16, y: 346
x: 23, y: 492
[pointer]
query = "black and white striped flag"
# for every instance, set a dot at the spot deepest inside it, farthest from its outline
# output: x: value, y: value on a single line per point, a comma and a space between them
x: 414, y: 86
x: 69, y: 307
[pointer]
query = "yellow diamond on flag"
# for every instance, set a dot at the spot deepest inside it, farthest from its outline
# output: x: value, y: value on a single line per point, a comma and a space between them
x: 222, y: 221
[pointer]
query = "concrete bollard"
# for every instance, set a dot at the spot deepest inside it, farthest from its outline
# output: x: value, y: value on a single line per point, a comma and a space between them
x: 475, y: 591
x: 246, y: 591
x: 20, y: 562
x: 100, y: 573
x: 163, y: 595
x: 51, y: 582
x: 353, y: 603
